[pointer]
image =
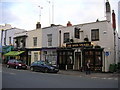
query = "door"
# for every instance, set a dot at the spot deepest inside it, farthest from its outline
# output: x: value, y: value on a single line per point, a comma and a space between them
x: 77, y: 61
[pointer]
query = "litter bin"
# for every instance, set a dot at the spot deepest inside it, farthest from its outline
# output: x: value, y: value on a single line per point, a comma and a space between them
x: 112, y: 68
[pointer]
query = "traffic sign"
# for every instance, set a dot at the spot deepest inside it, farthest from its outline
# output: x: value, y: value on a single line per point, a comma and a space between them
x: 107, y: 53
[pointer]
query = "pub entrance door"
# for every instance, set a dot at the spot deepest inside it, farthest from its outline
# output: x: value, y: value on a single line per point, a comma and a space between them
x: 77, y: 65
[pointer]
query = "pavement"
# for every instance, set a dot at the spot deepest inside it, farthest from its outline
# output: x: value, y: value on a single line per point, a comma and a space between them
x: 93, y: 74
x: 83, y: 74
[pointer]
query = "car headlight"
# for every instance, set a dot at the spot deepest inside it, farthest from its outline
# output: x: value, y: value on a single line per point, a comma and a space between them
x: 20, y: 65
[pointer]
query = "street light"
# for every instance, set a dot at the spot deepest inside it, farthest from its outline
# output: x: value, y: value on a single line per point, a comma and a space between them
x: 51, y: 2
x: 40, y: 8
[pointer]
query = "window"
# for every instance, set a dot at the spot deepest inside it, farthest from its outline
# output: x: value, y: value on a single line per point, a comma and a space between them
x: 35, y: 56
x: 35, y: 41
x: 9, y: 40
x: 77, y: 33
x: 66, y: 37
x: 49, y: 39
x: 95, y: 35
x: 4, y: 41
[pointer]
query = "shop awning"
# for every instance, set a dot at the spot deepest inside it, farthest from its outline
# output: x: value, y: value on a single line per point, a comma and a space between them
x: 14, y: 53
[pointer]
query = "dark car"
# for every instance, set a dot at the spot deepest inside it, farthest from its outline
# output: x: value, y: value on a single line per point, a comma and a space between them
x: 16, y: 64
x: 43, y: 67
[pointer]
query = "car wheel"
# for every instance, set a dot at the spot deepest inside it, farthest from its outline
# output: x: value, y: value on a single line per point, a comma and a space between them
x: 8, y: 66
x: 31, y: 68
x: 16, y: 67
x: 45, y: 70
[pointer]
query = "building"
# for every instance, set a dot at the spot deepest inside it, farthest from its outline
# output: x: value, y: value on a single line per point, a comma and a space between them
x: 3, y: 27
x: 97, y: 41
x: 29, y: 42
x: 8, y: 34
x: 50, y: 43
x: 119, y: 27
x: 119, y: 18
x: 7, y: 41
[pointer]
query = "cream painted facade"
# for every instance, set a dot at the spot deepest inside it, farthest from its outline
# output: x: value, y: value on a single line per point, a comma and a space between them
x: 30, y: 44
x: 32, y: 51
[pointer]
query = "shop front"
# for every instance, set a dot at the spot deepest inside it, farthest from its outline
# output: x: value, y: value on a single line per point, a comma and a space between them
x: 16, y: 55
x: 75, y: 56
x: 65, y: 59
x: 95, y: 56
x: 49, y: 55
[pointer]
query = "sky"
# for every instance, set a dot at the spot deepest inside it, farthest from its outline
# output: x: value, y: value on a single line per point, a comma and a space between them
x: 25, y: 14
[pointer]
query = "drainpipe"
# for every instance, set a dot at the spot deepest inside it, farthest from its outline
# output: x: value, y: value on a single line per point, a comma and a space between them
x: 59, y: 38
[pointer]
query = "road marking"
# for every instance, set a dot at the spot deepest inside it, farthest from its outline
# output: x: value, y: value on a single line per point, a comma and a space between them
x: 103, y: 78
x: 12, y: 73
x: 110, y: 78
x: 80, y: 76
x: 116, y: 79
x: 94, y: 77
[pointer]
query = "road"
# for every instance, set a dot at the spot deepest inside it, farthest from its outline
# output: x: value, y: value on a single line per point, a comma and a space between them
x: 12, y: 78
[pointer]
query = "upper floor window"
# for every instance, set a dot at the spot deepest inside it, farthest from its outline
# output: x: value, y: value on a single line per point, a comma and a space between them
x: 49, y: 39
x: 77, y: 33
x: 66, y: 37
x: 9, y: 40
x: 35, y: 41
x: 95, y: 34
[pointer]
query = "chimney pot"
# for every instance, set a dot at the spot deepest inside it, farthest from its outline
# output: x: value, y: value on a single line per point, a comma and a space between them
x: 69, y: 24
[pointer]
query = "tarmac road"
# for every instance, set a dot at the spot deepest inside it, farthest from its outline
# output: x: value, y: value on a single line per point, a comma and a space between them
x: 12, y: 78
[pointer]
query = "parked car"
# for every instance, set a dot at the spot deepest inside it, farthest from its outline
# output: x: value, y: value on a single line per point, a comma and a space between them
x: 43, y: 67
x: 16, y: 64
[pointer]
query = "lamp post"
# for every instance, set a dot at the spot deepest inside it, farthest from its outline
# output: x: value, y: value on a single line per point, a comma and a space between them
x: 40, y: 8
x: 51, y: 2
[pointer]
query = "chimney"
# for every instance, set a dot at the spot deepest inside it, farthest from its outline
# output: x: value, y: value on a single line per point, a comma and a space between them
x: 69, y: 24
x: 38, y: 25
x: 113, y: 20
x: 108, y: 11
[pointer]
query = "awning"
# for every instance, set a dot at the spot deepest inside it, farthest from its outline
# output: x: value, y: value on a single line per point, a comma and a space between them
x: 14, y: 53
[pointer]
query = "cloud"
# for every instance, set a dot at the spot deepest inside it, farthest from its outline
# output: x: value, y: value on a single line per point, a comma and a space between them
x: 25, y: 13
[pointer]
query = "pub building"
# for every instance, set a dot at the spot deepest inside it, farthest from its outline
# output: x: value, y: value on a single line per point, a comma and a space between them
x: 94, y: 41
x: 75, y: 56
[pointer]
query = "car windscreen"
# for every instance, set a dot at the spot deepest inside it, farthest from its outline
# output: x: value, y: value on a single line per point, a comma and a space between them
x: 19, y: 61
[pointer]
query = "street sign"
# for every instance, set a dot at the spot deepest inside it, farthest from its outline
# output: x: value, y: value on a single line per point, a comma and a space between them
x: 107, y: 53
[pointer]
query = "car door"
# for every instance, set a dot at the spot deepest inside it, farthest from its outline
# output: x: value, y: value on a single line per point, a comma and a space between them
x: 35, y: 65
x: 40, y: 65
x: 14, y: 63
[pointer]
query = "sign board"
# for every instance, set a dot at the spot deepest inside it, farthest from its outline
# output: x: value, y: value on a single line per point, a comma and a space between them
x: 76, y: 45
x: 107, y: 53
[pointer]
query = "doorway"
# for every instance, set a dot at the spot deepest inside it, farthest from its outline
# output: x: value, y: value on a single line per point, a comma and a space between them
x: 77, y: 65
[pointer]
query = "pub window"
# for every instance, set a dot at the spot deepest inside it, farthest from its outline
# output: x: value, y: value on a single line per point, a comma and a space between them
x: 66, y: 37
x: 95, y: 34
x: 77, y: 33
x: 35, y: 41
x: 49, y: 39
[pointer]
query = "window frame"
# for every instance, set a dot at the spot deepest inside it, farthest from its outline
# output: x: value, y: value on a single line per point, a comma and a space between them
x: 34, y: 41
x: 49, y: 39
x: 95, y: 35
x: 66, y: 38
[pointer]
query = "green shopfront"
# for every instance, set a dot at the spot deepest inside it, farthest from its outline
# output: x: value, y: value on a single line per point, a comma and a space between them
x: 75, y: 56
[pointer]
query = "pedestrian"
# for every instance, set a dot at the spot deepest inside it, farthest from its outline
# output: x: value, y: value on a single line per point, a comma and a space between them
x: 88, y: 67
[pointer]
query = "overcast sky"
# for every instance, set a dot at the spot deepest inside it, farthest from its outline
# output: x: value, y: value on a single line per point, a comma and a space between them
x: 24, y: 14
